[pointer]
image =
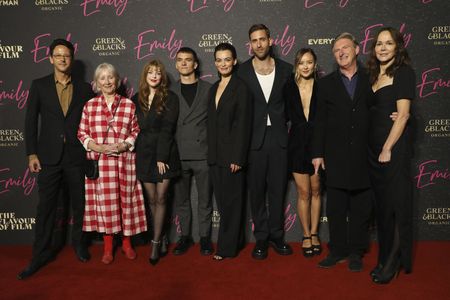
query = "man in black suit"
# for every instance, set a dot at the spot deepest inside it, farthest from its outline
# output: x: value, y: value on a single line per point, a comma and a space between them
x: 340, y: 144
x: 193, y: 148
x: 265, y: 77
x: 54, y: 152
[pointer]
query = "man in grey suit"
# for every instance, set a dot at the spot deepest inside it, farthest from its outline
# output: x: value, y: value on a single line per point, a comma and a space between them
x: 192, y: 145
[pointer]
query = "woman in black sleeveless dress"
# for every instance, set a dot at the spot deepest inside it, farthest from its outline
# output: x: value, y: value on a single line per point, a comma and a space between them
x: 393, y: 82
x: 300, y: 94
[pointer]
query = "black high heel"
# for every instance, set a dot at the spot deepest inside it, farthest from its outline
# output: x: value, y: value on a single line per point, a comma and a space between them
x: 164, y: 246
x: 384, y: 277
x: 376, y: 270
x: 155, y: 255
x: 307, y: 251
x: 317, y: 249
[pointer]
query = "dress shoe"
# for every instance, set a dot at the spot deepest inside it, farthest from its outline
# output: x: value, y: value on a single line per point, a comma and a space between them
x: 330, y: 261
x: 206, y: 246
x: 376, y: 270
x: 280, y: 246
x: 183, y: 245
x: 28, y: 271
x: 387, y: 273
x: 355, y: 263
x: 260, y: 250
x: 82, y: 253
x: 127, y: 249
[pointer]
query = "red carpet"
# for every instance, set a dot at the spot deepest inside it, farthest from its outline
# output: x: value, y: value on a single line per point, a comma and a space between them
x: 192, y: 276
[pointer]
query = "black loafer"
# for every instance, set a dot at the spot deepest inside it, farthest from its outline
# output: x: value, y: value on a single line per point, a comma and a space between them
x: 183, y: 245
x: 205, y: 246
x: 82, y: 253
x: 330, y: 261
x: 281, y: 247
x: 260, y: 250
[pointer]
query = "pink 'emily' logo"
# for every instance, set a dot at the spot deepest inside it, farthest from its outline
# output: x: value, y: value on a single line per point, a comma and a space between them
x: 429, y: 86
x: 41, y: 49
x: 147, y: 44
x: 286, y: 42
x: 429, y: 174
x: 16, y: 95
x: 369, y: 37
x: 91, y: 7
x: 25, y: 182
x: 312, y: 3
x: 198, y: 5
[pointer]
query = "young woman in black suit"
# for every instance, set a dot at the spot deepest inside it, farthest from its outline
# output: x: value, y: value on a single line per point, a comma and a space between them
x: 157, y: 158
x: 229, y: 128
x: 300, y: 94
x: 393, y: 82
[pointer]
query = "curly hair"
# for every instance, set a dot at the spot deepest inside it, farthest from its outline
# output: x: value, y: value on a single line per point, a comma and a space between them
x: 162, y: 91
x: 401, y: 56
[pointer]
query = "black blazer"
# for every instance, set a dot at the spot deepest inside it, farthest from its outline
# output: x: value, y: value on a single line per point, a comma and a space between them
x: 341, y: 131
x: 191, y: 127
x: 56, y: 130
x: 275, y: 107
x: 156, y: 140
x: 229, y: 126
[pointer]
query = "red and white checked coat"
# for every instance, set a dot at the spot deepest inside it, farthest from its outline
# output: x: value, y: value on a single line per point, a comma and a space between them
x: 114, y: 201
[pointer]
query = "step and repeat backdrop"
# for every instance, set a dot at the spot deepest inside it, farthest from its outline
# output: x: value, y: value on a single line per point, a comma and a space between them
x: 129, y: 33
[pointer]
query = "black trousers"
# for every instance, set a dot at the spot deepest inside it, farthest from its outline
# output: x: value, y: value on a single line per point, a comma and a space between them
x: 348, y: 213
x: 50, y: 180
x: 200, y: 171
x: 229, y: 193
x: 268, y: 172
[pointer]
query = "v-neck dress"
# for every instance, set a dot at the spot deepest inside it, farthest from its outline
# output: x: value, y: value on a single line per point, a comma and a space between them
x: 300, y: 133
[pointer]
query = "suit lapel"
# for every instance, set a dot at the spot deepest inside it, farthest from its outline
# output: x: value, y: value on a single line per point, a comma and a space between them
x: 75, y: 96
x: 227, y: 93
x: 341, y: 88
x: 359, y: 86
x: 276, y: 81
x: 255, y: 83
x: 196, y: 99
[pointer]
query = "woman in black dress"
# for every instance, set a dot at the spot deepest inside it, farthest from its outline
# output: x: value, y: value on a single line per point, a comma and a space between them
x: 229, y: 129
x: 300, y: 95
x: 393, y: 82
x: 157, y: 159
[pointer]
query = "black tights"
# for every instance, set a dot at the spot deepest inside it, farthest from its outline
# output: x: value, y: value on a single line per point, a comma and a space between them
x: 156, y: 194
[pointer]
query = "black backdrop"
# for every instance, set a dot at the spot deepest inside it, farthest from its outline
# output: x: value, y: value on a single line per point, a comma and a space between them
x: 128, y: 33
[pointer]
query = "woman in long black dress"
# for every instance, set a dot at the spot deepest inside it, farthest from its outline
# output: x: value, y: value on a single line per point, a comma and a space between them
x: 157, y: 159
x: 393, y: 82
x: 300, y: 95
x: 229, y: 129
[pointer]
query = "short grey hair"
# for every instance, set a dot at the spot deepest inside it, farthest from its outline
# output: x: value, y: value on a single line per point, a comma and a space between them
x: 102, y: 67
x: 345, y: 35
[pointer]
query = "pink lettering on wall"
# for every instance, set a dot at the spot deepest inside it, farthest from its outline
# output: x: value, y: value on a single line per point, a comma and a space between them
x: 426, y: 1
x: 17, y: 95
x: 176, y: 221
x: 41, y: 49
x: 285, y: 42
x: 129, y: 89
x: 148, y: 43
x: 25, y: 182
x: 91, y: 7
x: 312, y: 3
x: 430, y: 173
x: 431, y: 83
x: 198, y: 5
x: 369, y: 35
x: 289, y: 218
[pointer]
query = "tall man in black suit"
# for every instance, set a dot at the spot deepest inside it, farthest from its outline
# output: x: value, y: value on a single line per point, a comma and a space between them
x: 265, y: 77
x: 340, y: 144
x: 193, y: 148
x: 55, y: 153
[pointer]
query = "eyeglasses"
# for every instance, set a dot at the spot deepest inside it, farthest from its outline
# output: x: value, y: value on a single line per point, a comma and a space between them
x: 60, y: 56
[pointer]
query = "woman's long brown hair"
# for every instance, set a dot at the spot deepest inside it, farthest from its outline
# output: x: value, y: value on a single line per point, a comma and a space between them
x: 162, y: 91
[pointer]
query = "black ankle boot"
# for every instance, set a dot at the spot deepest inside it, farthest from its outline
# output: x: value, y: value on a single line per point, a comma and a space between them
x: 155, y: 256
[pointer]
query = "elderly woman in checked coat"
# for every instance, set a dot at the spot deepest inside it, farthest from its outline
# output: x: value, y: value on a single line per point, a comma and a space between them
x: 108, y: 130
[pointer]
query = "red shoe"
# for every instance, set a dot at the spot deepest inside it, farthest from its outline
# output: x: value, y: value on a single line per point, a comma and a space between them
x: 107, y: 249
x: 127, y: 249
